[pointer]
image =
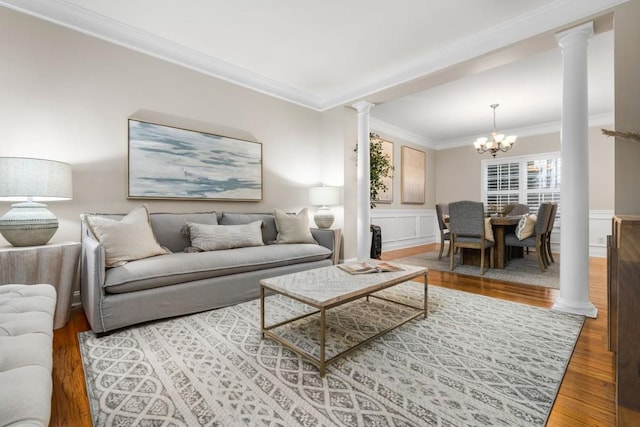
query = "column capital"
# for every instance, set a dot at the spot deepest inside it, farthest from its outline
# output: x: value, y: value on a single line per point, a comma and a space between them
x: 584, y: 31
x: 363, y: 106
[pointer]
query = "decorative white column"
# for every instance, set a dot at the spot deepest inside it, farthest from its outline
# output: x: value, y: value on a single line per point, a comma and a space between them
x: 363, y: 207
x: 574, y: 190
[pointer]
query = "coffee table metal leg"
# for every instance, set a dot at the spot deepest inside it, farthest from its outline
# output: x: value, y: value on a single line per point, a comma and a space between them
x: 426, y: 295
x: 322, y: 340
x: 262, y: 310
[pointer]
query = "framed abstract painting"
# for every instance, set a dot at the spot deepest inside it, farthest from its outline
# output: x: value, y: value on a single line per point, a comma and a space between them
x: 413, y: 175
x: 172, y: 163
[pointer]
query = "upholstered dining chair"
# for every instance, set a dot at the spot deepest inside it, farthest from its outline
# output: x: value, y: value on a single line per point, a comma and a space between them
x: 442, y: 209
x: 517, y: 209
x: 467, y: 230
x: 538, y: 239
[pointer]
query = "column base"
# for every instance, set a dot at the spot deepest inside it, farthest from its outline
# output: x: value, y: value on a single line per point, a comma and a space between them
x: 588, y: 309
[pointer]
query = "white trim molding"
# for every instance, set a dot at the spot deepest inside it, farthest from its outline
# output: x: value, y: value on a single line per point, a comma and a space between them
x: 552, y: 15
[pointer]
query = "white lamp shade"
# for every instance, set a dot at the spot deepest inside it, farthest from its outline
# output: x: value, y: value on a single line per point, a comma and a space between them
x: 39, y: 179
x: 324, y: 196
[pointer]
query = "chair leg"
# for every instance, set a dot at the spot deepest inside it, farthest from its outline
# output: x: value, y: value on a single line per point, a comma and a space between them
x: 549, y: 248
x: 441, y: 246
x: 540, y: 254
x: 482, y: 261
x: 543, y: 249
x: 452, y: 245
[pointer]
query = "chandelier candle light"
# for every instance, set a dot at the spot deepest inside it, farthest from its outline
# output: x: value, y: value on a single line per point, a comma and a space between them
x: 497, y: 142
x: 30, y: 181
x: 324, y: 196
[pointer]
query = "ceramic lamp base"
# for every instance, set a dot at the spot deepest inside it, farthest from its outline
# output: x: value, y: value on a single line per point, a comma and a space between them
x: 324, y: 218
x: 28, y: 224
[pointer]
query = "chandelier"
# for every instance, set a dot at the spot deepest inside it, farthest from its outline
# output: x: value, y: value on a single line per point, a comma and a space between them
x: 497, y: 142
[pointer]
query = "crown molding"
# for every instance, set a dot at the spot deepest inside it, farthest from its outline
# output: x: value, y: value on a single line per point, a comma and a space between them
x: 386, y: 128
x: 69, y: 15
x: 539, y: 129
x: 547, y: 18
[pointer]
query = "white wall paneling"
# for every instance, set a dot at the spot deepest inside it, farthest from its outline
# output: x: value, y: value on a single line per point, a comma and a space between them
x: 405, y: 228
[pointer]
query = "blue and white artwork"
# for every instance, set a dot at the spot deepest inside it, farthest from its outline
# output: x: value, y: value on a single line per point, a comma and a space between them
x: 167, y: 162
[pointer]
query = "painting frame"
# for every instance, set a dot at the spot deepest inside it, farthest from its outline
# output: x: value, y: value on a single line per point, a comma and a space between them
x: 413, y: 176
x: 172, y: 163
x: 387, y: 195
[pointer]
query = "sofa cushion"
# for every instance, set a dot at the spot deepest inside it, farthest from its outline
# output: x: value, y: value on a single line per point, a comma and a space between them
x: 169, y: 228
x: 129, y: 239
x: 183, y: 267
x: 218, y: 237
x: 269, y: 231
x: 293, y: 228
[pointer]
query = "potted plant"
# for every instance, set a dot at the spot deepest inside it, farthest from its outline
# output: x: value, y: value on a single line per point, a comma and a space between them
x: 379, y: 167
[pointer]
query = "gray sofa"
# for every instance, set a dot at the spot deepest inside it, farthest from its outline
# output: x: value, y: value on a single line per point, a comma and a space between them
x: 187, y: 282
x: 26, y: 346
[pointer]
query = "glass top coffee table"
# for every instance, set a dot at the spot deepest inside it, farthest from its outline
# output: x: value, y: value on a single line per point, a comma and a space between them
x: 328, y: 287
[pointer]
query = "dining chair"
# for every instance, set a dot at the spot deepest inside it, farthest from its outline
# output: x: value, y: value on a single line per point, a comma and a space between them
x: 516, y: 209
x: 467, y: 230
x: 538, y: 239
x: 442, y: 209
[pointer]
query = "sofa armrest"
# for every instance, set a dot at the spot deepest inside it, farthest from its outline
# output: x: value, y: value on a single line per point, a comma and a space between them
x: 92, y: 277
x: 329, y: 238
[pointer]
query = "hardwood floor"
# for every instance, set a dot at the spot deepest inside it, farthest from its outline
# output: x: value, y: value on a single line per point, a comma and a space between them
x: 586, y: 396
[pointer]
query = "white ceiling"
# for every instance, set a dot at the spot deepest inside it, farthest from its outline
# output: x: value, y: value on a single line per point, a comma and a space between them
x: 322, y: 54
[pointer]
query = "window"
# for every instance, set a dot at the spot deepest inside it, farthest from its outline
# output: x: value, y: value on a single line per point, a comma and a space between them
x: 530, y: 180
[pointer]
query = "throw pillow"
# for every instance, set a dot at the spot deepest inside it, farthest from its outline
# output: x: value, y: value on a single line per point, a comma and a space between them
x: 129, y: 239
x: 488, y: 229
x: 217, y: 237
x: 293, y: 228
x: 526, y: 226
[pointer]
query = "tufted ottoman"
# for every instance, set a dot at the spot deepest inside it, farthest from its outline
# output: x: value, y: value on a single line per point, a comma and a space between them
x: 26, y: 343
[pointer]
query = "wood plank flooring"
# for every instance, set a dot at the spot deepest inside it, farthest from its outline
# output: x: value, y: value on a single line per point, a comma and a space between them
x: 586, y: 396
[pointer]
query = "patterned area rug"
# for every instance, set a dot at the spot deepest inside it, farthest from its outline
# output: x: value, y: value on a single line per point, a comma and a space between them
x: 519, y: 270
x: 474, y: 361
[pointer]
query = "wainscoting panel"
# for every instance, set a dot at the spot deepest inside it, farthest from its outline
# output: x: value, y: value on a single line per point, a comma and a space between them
x: 404, y: 228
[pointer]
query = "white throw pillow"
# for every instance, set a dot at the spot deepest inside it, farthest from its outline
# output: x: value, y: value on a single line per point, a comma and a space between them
x: 129, y: 239
x: 488, y: 229
x: 526, y: 226
x: 217, y: 237
x: 293, y: 228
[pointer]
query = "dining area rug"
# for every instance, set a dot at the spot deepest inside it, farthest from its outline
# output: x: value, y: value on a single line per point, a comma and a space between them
x: 473, y: 361
x: 523, y: 270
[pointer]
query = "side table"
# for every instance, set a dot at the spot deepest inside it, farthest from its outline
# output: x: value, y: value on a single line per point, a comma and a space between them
x: 54, y: 263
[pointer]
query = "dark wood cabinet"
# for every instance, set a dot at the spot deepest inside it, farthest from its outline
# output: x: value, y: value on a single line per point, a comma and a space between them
x: 623, y: 277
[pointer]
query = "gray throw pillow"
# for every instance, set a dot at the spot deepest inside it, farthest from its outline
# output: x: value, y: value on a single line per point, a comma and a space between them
x: 218, y: 237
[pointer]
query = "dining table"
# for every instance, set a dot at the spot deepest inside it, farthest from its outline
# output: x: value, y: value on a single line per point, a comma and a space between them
x: 501, y: 225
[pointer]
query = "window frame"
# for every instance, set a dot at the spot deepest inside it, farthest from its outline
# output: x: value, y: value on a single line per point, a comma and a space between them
x: 523, y: 190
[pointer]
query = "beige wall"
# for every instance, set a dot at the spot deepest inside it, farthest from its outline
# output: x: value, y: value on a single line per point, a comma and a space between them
x: 627, y: 107
x: 67, y: 96
x: 458, y: 170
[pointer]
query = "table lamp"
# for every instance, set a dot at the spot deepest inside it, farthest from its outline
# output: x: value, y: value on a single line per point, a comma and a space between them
x: 30, y: 181
x: 324, y: 196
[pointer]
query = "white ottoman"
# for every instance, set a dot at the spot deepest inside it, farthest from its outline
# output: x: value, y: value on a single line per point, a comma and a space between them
x: 26, y: 345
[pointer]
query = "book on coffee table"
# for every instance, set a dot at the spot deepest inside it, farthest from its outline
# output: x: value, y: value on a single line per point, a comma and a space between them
x: 365, y: 268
